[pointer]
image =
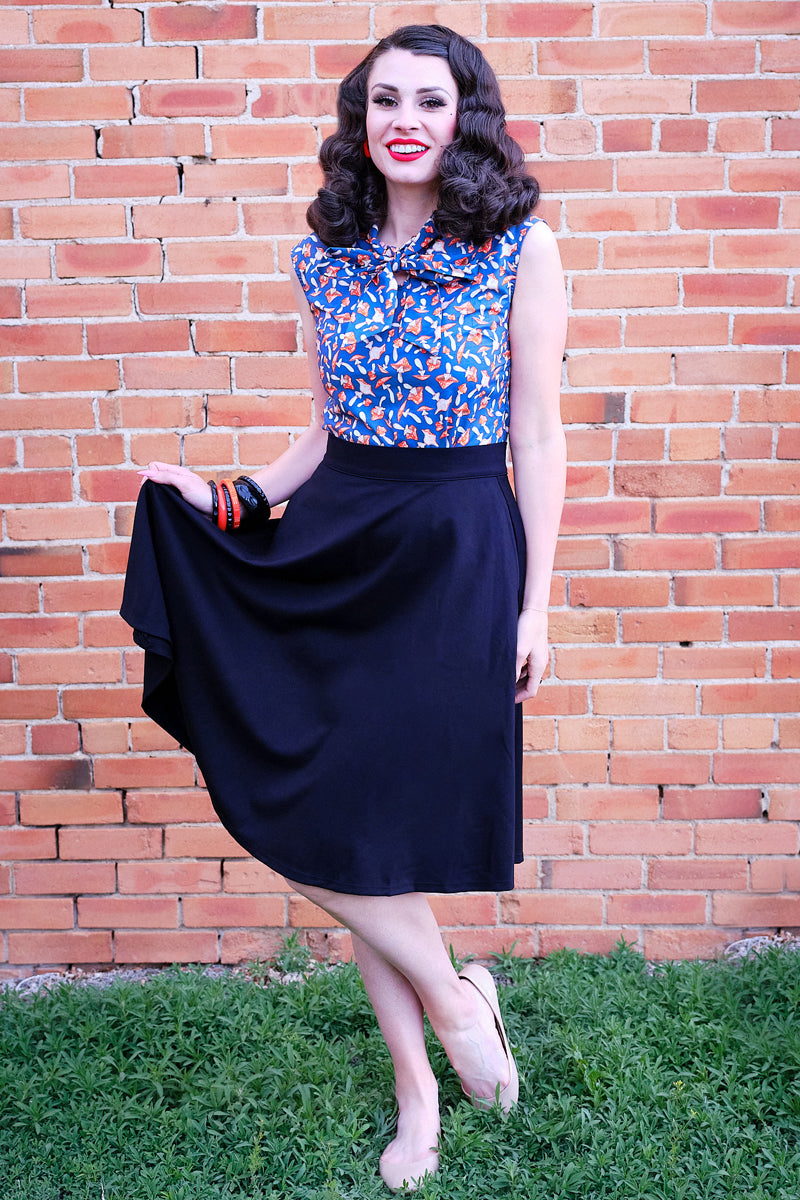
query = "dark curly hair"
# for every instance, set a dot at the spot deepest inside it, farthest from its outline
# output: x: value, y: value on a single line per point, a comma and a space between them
x: 483, y: 185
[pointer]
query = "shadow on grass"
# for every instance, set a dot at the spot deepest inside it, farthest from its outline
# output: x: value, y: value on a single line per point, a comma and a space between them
x: 677, y: 1084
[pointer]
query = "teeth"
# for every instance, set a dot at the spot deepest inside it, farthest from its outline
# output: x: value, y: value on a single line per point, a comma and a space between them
x: 406, y: 149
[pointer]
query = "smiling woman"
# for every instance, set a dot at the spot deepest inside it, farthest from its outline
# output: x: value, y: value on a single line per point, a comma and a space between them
x: 356, y: 715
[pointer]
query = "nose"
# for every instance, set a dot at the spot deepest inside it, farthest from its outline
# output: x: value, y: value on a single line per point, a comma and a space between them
x: 405, y: 115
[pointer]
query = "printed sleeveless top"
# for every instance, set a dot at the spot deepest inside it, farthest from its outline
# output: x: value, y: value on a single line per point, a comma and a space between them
x: 424, y: 362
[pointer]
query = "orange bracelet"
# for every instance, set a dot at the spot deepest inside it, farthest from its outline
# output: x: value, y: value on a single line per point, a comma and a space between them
x: 222, y: 508
x: 236, y: 507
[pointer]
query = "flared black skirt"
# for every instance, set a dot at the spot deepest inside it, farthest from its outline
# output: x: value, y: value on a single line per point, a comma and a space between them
x: 345, y: 676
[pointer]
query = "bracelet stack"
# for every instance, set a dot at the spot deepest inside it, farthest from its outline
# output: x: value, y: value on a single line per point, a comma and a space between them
x: 237, y: 503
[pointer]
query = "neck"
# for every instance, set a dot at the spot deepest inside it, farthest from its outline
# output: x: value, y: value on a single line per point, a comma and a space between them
x: 407, y: 210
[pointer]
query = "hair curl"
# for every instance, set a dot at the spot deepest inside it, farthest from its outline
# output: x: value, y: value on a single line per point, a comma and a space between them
x: 483, y: 185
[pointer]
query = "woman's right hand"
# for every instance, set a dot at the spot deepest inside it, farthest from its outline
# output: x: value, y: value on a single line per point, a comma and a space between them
x: 193, y: 489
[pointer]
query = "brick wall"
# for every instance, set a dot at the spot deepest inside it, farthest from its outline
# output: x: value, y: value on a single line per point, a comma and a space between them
x: 157, y: 162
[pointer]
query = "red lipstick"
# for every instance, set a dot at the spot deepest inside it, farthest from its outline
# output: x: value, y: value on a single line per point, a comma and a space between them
x: 406, y: 155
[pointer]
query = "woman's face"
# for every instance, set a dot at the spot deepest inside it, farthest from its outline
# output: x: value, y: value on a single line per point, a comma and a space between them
x: 412, y: 102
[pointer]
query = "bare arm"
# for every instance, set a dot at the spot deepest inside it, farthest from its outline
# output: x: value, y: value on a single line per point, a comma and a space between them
x: 281, y: 478
x: 537, y: 331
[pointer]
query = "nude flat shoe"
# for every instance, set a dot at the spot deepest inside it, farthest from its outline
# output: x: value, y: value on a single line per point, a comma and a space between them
x: 407, y: 1176
x: 507, y: 1096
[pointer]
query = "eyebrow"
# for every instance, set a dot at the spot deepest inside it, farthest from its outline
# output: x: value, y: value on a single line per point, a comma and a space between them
x: 388, y: 87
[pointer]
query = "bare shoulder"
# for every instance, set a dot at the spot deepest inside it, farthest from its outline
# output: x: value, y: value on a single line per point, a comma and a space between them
x: 540, y: 249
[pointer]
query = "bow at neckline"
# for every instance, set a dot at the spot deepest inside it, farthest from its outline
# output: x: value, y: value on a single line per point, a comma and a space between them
x: 369, y: 270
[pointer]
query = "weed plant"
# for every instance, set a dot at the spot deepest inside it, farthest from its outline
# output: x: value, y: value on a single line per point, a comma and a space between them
x: 681, y: 1083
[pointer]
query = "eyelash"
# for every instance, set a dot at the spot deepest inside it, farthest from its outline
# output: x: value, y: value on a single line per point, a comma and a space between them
x: 427, y: 102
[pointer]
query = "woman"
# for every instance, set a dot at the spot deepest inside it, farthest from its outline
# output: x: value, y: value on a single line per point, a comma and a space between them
x: 353, y: 711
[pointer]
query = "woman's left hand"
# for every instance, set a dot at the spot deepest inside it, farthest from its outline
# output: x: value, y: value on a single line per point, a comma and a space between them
x: 531, y: 652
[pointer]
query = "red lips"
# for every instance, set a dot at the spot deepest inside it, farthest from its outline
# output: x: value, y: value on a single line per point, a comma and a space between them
x: 406, y: 155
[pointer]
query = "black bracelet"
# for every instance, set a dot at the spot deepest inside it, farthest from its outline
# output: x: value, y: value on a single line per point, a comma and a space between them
x: 228, y: 509
x: 255, y: 505
x: 214, y: 501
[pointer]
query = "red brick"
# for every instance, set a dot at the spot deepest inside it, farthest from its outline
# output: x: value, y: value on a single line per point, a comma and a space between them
x: 737, y: 291
x: 757, y: 696
x: 766, y: 329
x: 236, y: 179
x: 111, y: 259
x: 236, y: 911
x: 263, y: 141
x: 669, y: 767
x: 24, y: 262
x: 764, y: 626
x: 201, y: 841
x: 607, y: 803
x: 142, y: 62
x: 645, y: 837
x: 54, y: 878
x: 775, y: 875
x: 79, y: 25
x: 69, y: 808
x: 656, y: 910
x: 78, y: 104
x: 257, y: 336
x: 77, y: 376
x: 564, y: 908
x: 620, y: 137
x: 644, y: 698
x: 671, y: 172
x: 780, y: 55
x: 647, y: 96
x: 582, y: 176
x: 166, y: 877
x: 76, y: 300
x: 266, y: 61
x: 683, y: 136
x: 56, y: 142
x: 741, y: 135
x: 248, y: 875
x: 41, y: 66
x: 72, y: 221
x: 27, y: 843
x: 678, y: 405
x: 23, y: 340
x: 773, y: 766
x: 600, y: 941
x: 623, y: 18
x: 760, y: 553
x: 105, y: 179
x: 609, y: 57
x: 137, y: 336
x: 711, y: 803
x: 117, y: 912
x: 52, y: 560
x: 674, y: 626
x: 74, y: 946
x: 756, y: 911
x: 198, y: 99
x: 657, y: 250
x: 771, y: 16
x: 539, y: 21
x: 10, y: 303
x: 16, y: 913
x: 152, y: 141
x: 636, y: 291
x: 742, y: 95
x: 712, y: 515
x: 684, y: 874
x: 618, y: 662
x: 591, y: 875
x: 179, y: 945
x: 202, y: 23
x: 723, y: 589
x: 747, y: 733
x: 682, y: 943
x: 174, y: 372
x: 746, y: 837
x: 784, y: 804
x: 116, y: 841
x: 209, y: 296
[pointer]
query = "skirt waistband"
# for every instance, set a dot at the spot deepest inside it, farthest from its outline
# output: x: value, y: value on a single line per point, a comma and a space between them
x: 426, y: 463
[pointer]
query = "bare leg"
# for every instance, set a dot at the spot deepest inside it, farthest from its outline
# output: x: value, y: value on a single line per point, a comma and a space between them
x: 403, y: 932
x: 399, y: 1014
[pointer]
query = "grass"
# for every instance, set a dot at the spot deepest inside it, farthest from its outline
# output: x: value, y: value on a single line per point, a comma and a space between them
x: 677, y: 1084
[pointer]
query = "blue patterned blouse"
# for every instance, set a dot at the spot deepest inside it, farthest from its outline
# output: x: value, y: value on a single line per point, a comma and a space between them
x: 424, y: 362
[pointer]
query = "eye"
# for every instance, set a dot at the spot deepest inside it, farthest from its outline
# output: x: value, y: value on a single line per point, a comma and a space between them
x: 383, y: 101
x: 433, y: 102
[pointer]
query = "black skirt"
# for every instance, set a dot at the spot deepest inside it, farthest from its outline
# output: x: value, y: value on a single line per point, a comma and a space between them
x: 345, y: 676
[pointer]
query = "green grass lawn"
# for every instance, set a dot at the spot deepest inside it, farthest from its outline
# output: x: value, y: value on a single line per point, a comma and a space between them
x: 639, y: 1085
